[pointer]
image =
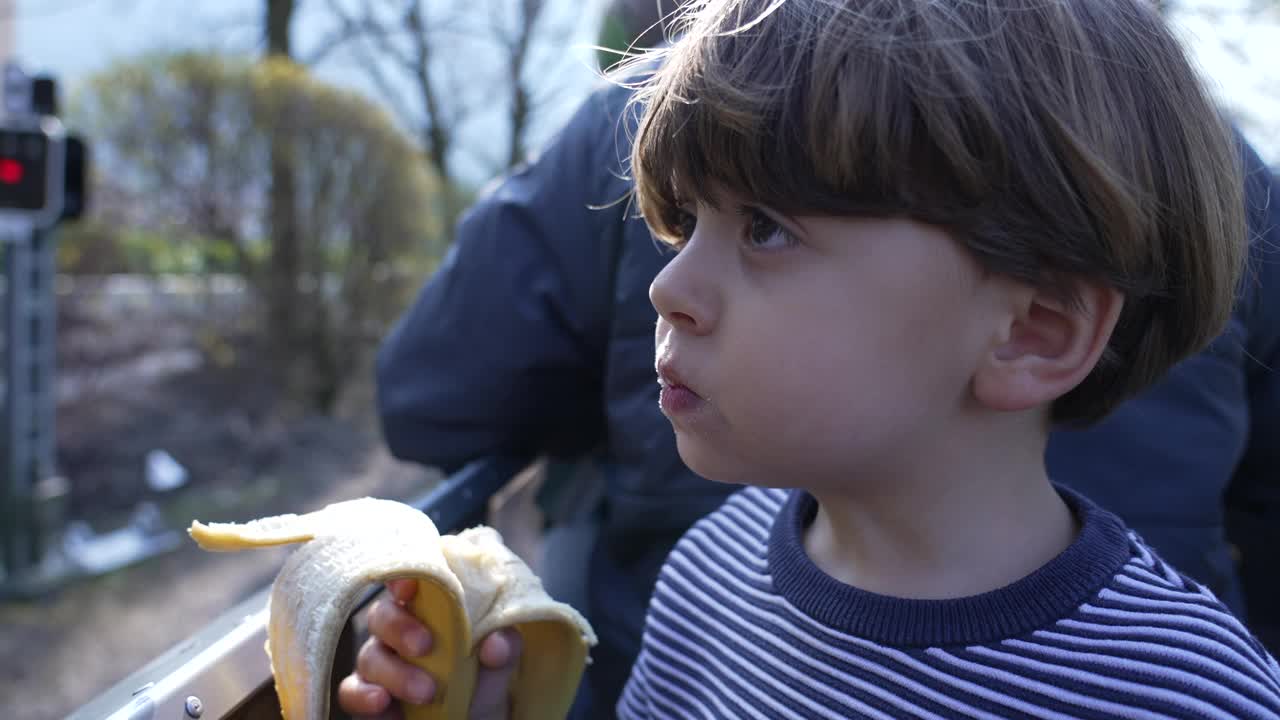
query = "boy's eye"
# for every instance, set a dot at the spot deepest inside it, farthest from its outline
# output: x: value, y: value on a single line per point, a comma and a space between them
x: 765, y: 233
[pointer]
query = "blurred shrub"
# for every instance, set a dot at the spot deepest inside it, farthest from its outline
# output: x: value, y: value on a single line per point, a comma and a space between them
x: 182, y: 170
x: 95, y: 247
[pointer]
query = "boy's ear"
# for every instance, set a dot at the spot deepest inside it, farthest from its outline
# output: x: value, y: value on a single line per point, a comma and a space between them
x: 1047, y: 347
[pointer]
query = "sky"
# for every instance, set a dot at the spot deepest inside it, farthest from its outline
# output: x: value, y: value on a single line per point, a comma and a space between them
x: 1236, y: 43
x: 72, y: 39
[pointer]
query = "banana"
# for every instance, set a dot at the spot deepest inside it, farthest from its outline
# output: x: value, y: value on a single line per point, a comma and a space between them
x: 469, y: 585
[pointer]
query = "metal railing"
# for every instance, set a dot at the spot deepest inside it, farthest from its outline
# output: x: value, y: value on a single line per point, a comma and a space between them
x: 222, y: 673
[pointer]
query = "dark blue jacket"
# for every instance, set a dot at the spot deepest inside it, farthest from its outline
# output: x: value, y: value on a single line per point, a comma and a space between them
x: 535, y: 336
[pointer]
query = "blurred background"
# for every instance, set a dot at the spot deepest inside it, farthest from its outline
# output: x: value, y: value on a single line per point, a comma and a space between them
x: 271, y: 181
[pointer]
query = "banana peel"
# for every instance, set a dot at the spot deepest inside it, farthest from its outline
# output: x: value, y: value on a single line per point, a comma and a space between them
x: 469, y: 585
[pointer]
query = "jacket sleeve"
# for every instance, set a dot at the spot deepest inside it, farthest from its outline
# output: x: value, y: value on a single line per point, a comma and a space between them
x: 503, y: 350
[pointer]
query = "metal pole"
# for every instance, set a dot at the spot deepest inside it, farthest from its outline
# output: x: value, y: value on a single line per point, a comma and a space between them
x: 26, y: 439
x: 16, y: 551
x: 19, y: 410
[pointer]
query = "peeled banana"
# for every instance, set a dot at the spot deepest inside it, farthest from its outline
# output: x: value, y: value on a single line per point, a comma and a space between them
x: 469, y: 585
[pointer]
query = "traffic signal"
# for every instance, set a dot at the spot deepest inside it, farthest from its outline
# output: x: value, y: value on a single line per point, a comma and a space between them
x: 25, y: 160
x: 43, y: 171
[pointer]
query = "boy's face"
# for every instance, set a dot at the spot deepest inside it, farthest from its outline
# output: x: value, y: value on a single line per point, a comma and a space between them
x: 804, y: 350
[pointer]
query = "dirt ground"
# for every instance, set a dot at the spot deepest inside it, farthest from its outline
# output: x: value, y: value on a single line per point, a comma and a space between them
x: 186, y: 384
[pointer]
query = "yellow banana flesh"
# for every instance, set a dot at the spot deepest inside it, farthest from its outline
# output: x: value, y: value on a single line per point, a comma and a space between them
x: 469, y: 585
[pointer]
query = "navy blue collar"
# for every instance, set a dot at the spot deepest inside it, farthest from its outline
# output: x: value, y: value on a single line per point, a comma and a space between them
x: 1036, y: 601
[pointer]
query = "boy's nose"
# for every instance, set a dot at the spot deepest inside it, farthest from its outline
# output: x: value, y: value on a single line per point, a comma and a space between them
x: 684, y: 295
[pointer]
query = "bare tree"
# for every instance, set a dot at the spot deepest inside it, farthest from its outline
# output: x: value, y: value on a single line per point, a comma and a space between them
x: 426, y: 60
x: 516, y: 41
x: 279, y: 19
x: 285, y: 309
x: 189, y: 138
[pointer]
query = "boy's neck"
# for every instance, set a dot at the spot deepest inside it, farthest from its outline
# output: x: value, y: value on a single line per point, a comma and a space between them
x: 963, y: 529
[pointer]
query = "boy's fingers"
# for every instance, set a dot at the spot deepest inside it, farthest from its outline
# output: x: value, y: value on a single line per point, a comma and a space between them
x: 501, y: 648
x: 378, y: 664
x: 397, y: 627
x: 361, y: 698
x: 499, y: 658
x: 402, y: 590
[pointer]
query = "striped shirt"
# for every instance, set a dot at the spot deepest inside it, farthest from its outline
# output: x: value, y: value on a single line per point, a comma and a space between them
x: 743, y: 625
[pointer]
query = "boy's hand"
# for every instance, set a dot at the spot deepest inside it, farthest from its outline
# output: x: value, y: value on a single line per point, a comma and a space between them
x: 382, y: 674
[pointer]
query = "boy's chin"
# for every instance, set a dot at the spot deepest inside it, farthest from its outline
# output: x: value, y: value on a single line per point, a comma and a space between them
x: 706, y: 467
x: 721, y: 470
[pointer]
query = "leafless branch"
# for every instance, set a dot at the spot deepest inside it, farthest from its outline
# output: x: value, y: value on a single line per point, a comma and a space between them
x: 370, y: 63
x: 349, y: 30
x: 436, y: 136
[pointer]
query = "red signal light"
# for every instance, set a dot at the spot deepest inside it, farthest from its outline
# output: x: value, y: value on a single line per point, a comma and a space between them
x: 11, y: 171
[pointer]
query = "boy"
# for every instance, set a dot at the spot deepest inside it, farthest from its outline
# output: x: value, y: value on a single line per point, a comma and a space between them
x: 913, y: 235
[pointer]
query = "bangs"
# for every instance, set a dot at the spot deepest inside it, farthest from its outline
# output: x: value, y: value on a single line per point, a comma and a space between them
x: 812, y: 113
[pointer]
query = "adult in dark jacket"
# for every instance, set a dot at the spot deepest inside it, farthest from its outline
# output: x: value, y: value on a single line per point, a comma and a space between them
x: 535, y: 336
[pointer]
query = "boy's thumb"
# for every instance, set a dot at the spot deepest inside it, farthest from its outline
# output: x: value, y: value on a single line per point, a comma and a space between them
x: 402, y: 590
x: 499, y: 658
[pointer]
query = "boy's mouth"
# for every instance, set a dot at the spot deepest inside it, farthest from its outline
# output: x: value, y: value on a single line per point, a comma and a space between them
x: 675, y: 397
x: 668, y: 376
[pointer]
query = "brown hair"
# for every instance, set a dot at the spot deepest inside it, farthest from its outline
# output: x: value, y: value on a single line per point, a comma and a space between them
x: 1055, y: 139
